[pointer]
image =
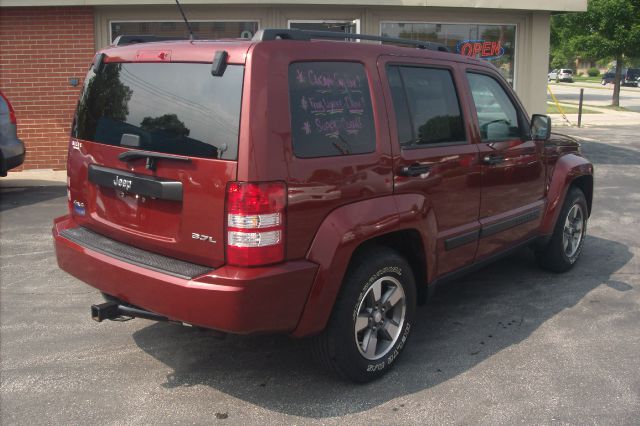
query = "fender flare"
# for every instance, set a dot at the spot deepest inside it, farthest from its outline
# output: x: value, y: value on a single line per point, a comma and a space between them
x: 343, y: 231
x: 568, y: 168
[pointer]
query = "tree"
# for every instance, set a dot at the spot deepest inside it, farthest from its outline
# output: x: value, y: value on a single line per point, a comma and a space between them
x: 608, y: 29
x: 168, y: 123
x: 561, y: 54
x: 103, y: 96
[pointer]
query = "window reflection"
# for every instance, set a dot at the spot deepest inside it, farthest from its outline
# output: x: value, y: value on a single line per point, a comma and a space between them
x: 495, y: 43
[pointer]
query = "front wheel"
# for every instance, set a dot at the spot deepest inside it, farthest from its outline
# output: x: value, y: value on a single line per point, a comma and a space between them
x: 567, y: 240
x: 372, y: 317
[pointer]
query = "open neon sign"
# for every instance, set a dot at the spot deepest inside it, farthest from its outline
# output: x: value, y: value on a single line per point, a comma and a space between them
x: 480, y: 49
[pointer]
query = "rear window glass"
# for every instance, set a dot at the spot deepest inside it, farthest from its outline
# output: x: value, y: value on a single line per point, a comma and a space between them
x: 174, y: 108
x: 331, y: 111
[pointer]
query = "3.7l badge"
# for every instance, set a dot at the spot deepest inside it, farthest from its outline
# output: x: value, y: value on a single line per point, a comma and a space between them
x: 202, y: 237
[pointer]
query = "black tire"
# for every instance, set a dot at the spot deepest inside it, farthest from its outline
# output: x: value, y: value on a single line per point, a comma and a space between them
x: 338, y: 348
x: 3, y: 166
x: 603, y: 82
x: 558, y: 256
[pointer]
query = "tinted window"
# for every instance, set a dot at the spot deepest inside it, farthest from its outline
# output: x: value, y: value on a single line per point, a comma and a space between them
x: 331, y: 111
x: 176, y: 108
x: 426, y: 106
x: 403, y: 120
x: 497, y: 116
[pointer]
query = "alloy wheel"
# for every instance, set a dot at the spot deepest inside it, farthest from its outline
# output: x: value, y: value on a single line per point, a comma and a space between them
x: 380, y: 318
x: 573, y: 231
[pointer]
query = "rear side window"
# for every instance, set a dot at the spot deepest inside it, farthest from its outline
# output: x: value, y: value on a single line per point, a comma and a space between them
x: 331, y: 112
x: 175, y: 108
x: 426, y: 106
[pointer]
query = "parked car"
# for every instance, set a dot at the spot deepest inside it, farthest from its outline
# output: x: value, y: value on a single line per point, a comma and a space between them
x: 562, y: 74
x: 12, y: 150
x: 292, y: 185
x: 629, y: 77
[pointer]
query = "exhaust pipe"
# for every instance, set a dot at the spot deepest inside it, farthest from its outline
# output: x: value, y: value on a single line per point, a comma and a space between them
x: 112, y: 310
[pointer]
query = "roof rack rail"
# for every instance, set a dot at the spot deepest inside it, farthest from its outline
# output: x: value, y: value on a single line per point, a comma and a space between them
x: 132, y: 39
x: 305, y: 35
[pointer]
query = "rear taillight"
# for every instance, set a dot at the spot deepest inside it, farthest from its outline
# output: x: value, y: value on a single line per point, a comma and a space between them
x: 12, y: 113
x: 255, y: 223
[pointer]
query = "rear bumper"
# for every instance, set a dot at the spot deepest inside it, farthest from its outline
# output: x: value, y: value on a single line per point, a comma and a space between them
x: 230, y: 299
x: 13, y: 153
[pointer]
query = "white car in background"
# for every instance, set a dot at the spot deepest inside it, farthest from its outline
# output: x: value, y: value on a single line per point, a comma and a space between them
x: 562, y: 74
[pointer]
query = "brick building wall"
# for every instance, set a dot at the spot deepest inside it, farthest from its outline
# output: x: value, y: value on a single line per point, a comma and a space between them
x: 41, y: 49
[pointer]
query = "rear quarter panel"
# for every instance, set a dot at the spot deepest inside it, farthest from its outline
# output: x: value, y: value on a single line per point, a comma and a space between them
x: 316, y: 186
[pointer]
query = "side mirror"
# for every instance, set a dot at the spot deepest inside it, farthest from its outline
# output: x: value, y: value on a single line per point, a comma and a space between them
x: 540, y: 127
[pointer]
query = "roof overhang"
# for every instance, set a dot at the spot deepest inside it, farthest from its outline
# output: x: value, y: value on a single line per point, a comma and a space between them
x: 539, y: 5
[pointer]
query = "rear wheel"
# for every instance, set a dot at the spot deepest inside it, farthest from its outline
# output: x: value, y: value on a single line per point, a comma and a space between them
x: 372, y: 317
x: 567, y: 240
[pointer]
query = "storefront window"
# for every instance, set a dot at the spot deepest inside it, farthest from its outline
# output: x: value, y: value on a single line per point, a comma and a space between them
x: 495, y: 43
x: 202, y: 30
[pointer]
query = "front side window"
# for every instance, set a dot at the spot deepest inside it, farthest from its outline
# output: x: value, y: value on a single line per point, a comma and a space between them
x: 426, y: 106
x: 497, y: 115
x: 331, y: 111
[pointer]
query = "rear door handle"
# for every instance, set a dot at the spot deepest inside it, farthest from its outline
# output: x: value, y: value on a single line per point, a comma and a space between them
x: 492, y: 159
x: 414, y: 170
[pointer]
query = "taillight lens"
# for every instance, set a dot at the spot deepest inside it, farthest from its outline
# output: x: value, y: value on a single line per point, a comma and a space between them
x: 255, y: 222
x: 12, y: 113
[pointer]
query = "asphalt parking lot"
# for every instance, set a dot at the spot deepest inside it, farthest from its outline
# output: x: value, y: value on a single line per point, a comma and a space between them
x: 508, y: 344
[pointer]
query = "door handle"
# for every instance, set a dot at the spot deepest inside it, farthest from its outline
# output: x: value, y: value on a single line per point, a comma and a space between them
x: 414, y: 170
x: 492, y: 159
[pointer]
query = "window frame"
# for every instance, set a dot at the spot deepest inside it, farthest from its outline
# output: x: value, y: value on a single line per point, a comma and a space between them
x: 355, y: 21
x: 452, y: 73
x: 523, y: 120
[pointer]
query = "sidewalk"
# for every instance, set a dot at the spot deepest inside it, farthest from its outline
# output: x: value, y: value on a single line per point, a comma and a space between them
x: 607, y: 117
x: 44, y: 177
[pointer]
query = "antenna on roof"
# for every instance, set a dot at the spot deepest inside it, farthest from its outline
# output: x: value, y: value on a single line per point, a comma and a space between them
x: 191, y: 36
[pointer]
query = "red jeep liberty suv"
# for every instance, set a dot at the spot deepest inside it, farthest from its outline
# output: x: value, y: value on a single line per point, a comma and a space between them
x: 294, y: 184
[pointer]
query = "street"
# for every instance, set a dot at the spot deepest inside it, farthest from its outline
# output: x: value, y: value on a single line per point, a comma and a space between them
x: 595, y: 94
x: 509, y: 344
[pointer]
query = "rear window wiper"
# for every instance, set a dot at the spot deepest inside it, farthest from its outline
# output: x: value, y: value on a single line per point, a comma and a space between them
x: 151, y: 157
